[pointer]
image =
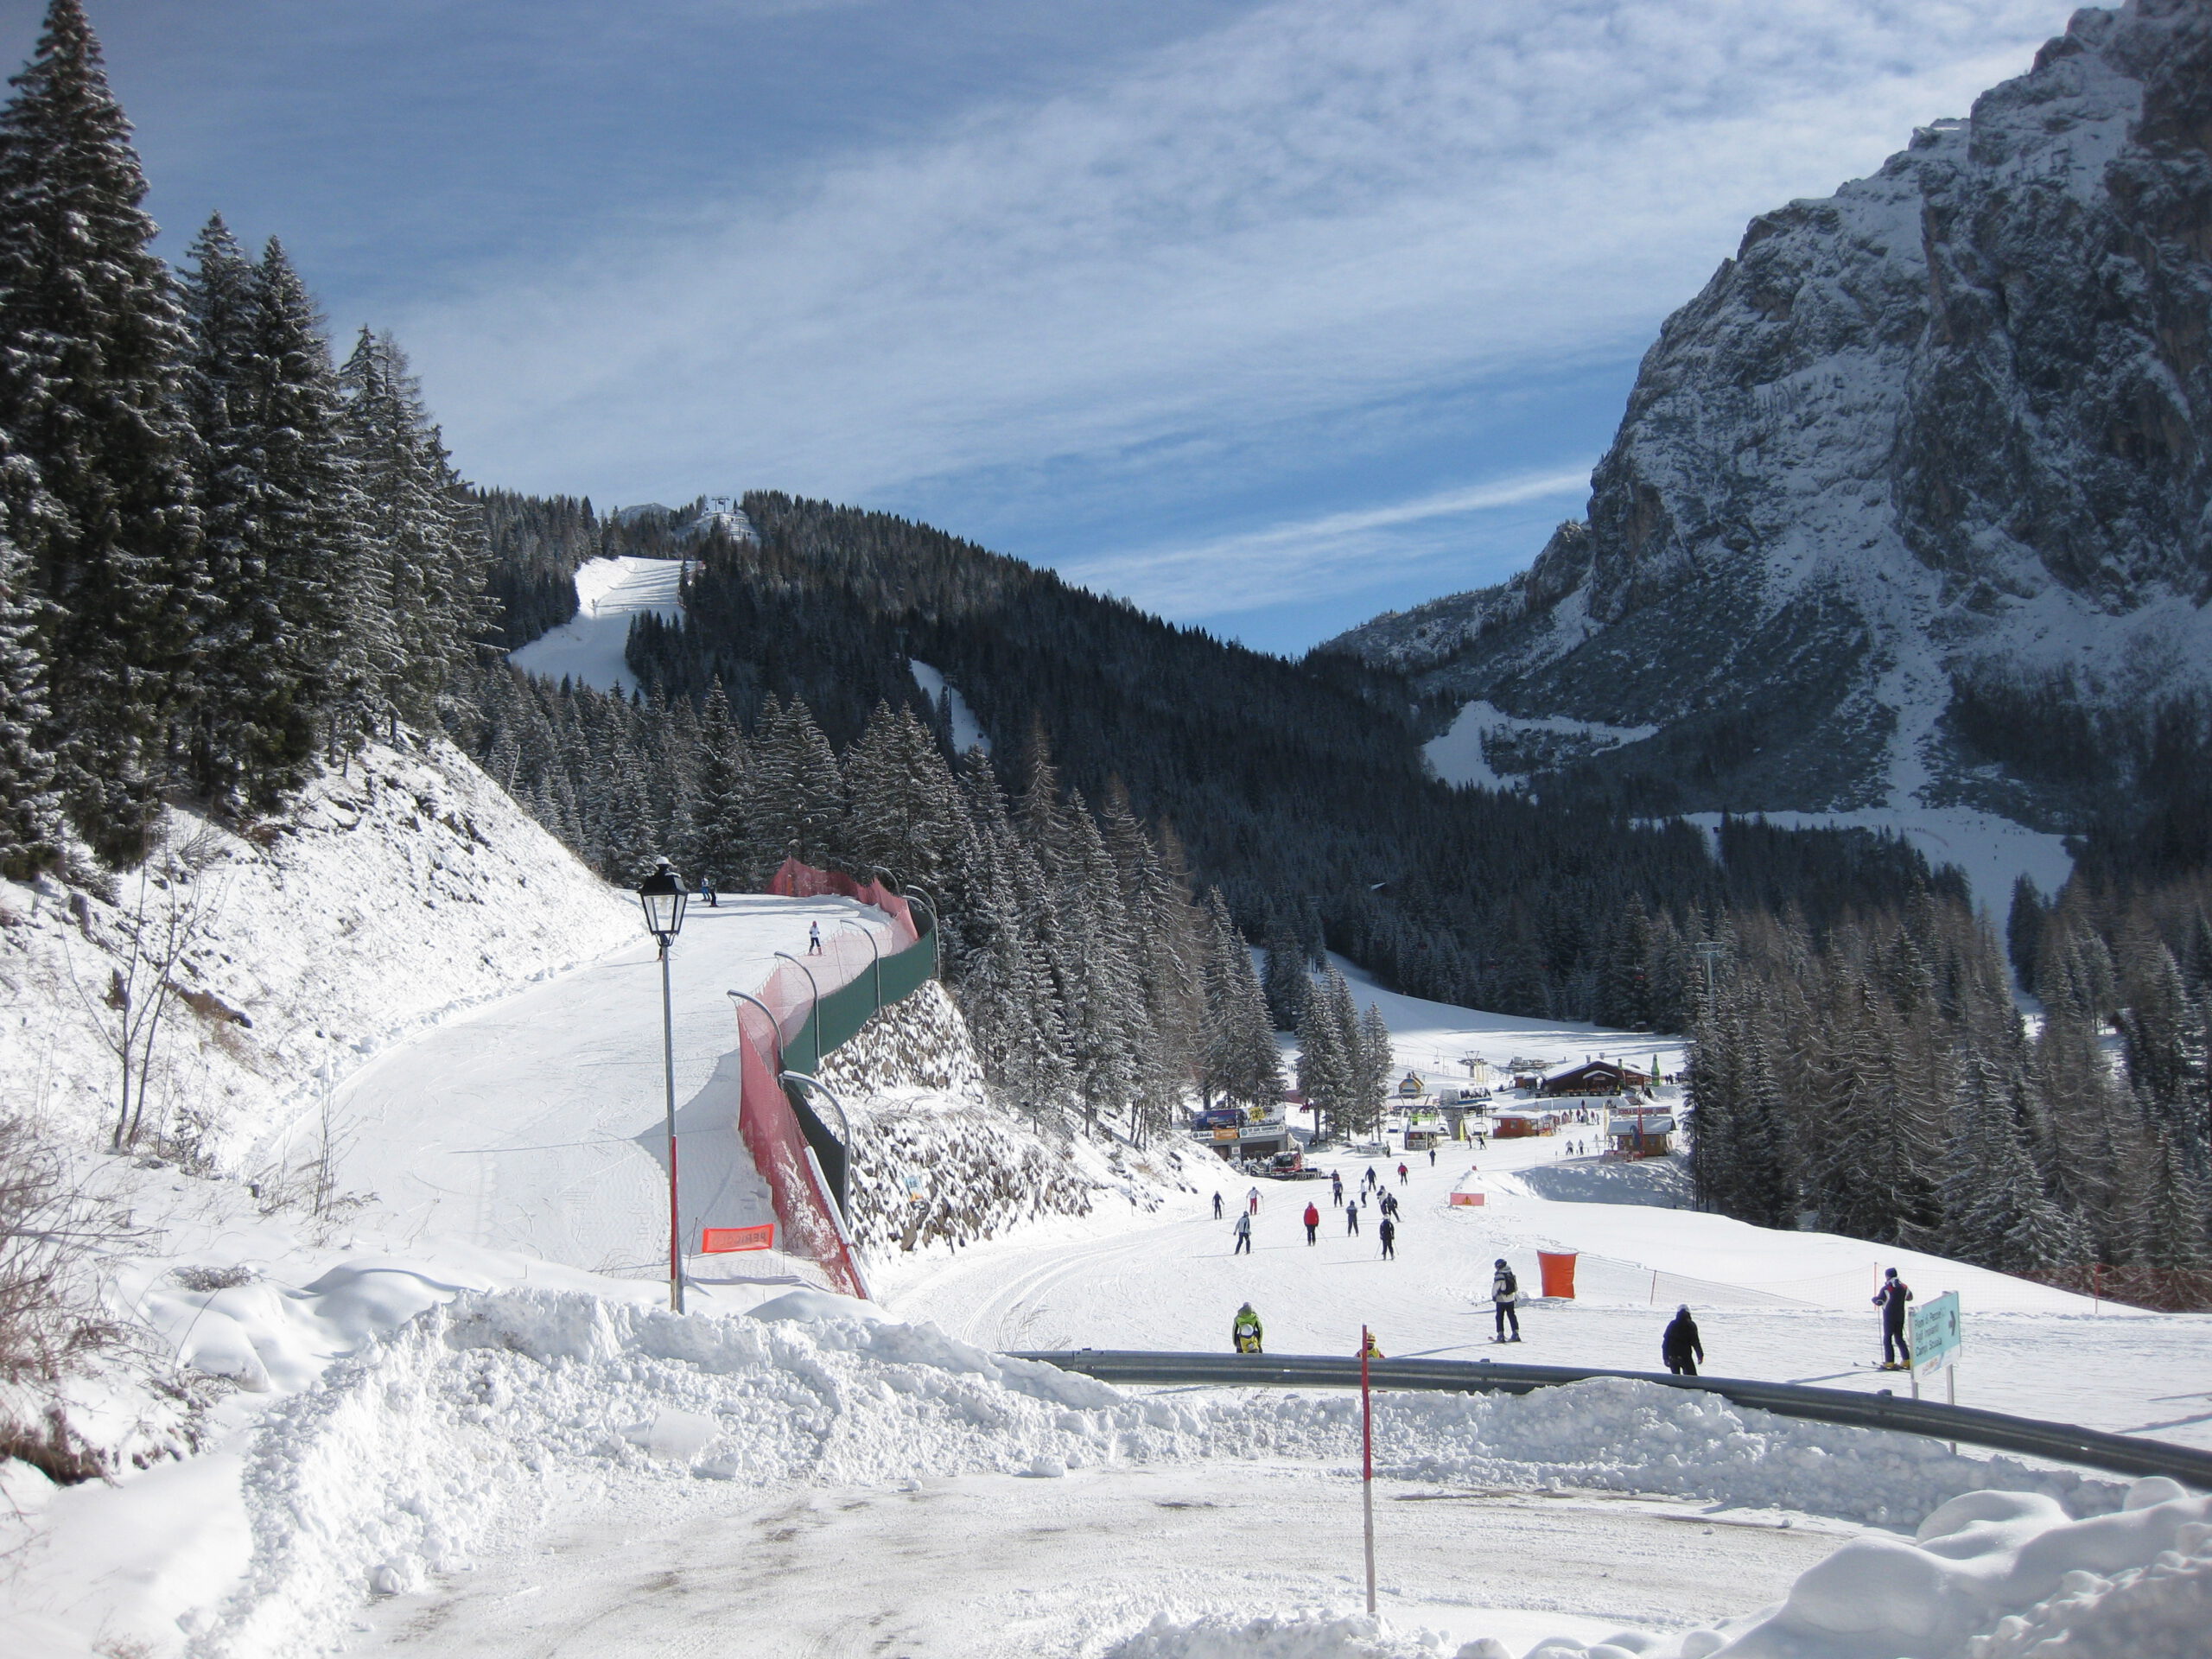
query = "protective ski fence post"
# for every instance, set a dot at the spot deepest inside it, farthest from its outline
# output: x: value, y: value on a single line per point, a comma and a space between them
x: 1367, y: 1459
x: 801, y: 1161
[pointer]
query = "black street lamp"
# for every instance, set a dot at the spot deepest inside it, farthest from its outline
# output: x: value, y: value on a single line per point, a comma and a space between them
x: 662, y: 896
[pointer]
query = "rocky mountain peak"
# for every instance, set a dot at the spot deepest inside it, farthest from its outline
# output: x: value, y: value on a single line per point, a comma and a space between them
x: 1946, y: 426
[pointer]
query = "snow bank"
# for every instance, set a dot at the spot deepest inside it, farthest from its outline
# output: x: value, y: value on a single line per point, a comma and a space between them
x: 457, y: 1432
x: 1989, y: 1575
x: 1616, y: 1434
x: 1296, y: 1636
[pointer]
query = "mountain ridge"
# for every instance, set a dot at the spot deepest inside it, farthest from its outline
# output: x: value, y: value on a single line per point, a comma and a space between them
x: 1921, y: 457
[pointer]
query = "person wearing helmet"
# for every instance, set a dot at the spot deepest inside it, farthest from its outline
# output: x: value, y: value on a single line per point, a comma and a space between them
x: 1680, y: 1347
x: 1505, y: 1293
x: 1244, y: 1330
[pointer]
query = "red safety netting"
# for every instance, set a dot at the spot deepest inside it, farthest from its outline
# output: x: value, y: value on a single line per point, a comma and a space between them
x: 793, y: 880
x: 765, y: 1122
x: 770, y: 1130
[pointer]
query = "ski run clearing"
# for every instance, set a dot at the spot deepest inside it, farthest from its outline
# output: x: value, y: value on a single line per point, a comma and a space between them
x: 456, y: 1418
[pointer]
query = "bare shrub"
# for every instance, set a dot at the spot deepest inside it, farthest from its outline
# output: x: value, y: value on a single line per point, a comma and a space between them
x: 51, y: 1323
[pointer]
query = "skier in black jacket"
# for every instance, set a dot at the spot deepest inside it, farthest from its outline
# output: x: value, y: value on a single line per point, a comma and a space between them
x: 1680, y: 1347
x: 1504, y: 1292
x: 1897, y: 1351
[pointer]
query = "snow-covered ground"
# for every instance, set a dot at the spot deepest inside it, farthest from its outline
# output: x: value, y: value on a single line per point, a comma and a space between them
x: 537, y: 1125
x: 436, y: 1428
x: 967, y: 732
x: 1457, y: 757
x: 589, y: 649
x: 1993, y: 852
x: 1784, y: 1306
x: 394, y: 893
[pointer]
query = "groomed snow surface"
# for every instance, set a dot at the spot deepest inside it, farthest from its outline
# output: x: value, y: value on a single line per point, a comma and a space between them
x: 589, y: 648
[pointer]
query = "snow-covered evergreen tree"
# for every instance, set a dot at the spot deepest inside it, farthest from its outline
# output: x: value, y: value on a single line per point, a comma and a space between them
x: 1241, y: 1059
x: 279, y: 510
x: 424, y: 542
x: 29, y: 819
x: 91, y: 345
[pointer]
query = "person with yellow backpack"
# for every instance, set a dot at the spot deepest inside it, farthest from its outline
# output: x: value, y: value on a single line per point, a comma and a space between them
x: 1244, y: 1330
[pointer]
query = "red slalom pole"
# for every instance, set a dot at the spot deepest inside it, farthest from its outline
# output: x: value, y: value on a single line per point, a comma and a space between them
x: 1367, y: 1460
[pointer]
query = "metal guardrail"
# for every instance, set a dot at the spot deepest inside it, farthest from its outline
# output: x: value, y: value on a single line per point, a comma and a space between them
x: 2114, y: 1454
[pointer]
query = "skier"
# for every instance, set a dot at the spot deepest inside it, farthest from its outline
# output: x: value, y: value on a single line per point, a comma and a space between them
x: 1897, y: 1352
x: 1388, y: 1232
x: 1402, y: 1174
x: 1368, y: 1180
x: 1680, y: 1347
x: 1431, y: 1157
x: 1313, y: 1224
x: 1244, y: 1330
x: 1252, y: 1202
x: 814, y: 939
x: 707, y: 893
x: 1336, y: 1189
x: 1504, y: 1292
x: 1352, y: 1219
x: 1217, y: 1206
x: 1243, y: 1236
x: 1371, y: 1349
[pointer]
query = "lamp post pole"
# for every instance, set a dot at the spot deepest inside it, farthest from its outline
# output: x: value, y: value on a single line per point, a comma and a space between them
x: 814, y: 1006
x: 875, y: 963
x: 662, y: 895
x: 814, y: 1086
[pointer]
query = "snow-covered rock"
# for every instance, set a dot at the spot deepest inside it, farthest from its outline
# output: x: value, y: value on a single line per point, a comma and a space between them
x: 1948, y: 423
x: 936, y: 1163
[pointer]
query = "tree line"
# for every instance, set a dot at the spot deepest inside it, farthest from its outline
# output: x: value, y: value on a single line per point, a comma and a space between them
x: 223, y: 556
x: 1884, y: 1079
x: 1098, y: 986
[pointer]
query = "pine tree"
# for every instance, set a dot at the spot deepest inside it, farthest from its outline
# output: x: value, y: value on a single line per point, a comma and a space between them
x: 1241, y: 1058
x: 425, y: 543
x: 1286, y: 982
x: 278, y: 507
x: 719, y: 821
x: 2024, y: 926
x: 29, y: 826
x: 1325, y: 1074
x: 1377, y: 1060
x: 91, y: 343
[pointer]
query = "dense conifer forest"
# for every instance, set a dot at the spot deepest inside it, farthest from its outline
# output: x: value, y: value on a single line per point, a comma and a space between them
x: 229, y: 554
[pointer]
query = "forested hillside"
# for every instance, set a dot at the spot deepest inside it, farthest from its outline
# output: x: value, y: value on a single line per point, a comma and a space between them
x: 1299, y: 789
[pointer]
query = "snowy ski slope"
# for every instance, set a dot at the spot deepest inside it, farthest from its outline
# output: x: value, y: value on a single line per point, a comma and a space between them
x: 610, y: 593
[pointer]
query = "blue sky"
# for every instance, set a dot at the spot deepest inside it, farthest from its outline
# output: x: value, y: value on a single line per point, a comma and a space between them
x: 1269, y: 315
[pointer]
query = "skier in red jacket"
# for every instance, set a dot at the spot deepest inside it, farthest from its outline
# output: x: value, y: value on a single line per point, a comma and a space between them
x: 1312, y: 1223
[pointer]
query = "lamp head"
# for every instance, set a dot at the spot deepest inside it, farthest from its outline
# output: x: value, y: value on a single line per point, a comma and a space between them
x: 661, y: 895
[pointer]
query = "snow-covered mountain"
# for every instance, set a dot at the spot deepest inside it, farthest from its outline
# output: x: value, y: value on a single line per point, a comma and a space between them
x: 1933, y: 446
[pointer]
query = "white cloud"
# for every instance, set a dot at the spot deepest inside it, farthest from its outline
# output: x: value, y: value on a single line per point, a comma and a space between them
x: 1321, y: 206
x: 1308, y: 558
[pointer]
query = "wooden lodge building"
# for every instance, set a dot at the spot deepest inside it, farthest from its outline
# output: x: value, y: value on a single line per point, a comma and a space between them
x: 1595, y: 1078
